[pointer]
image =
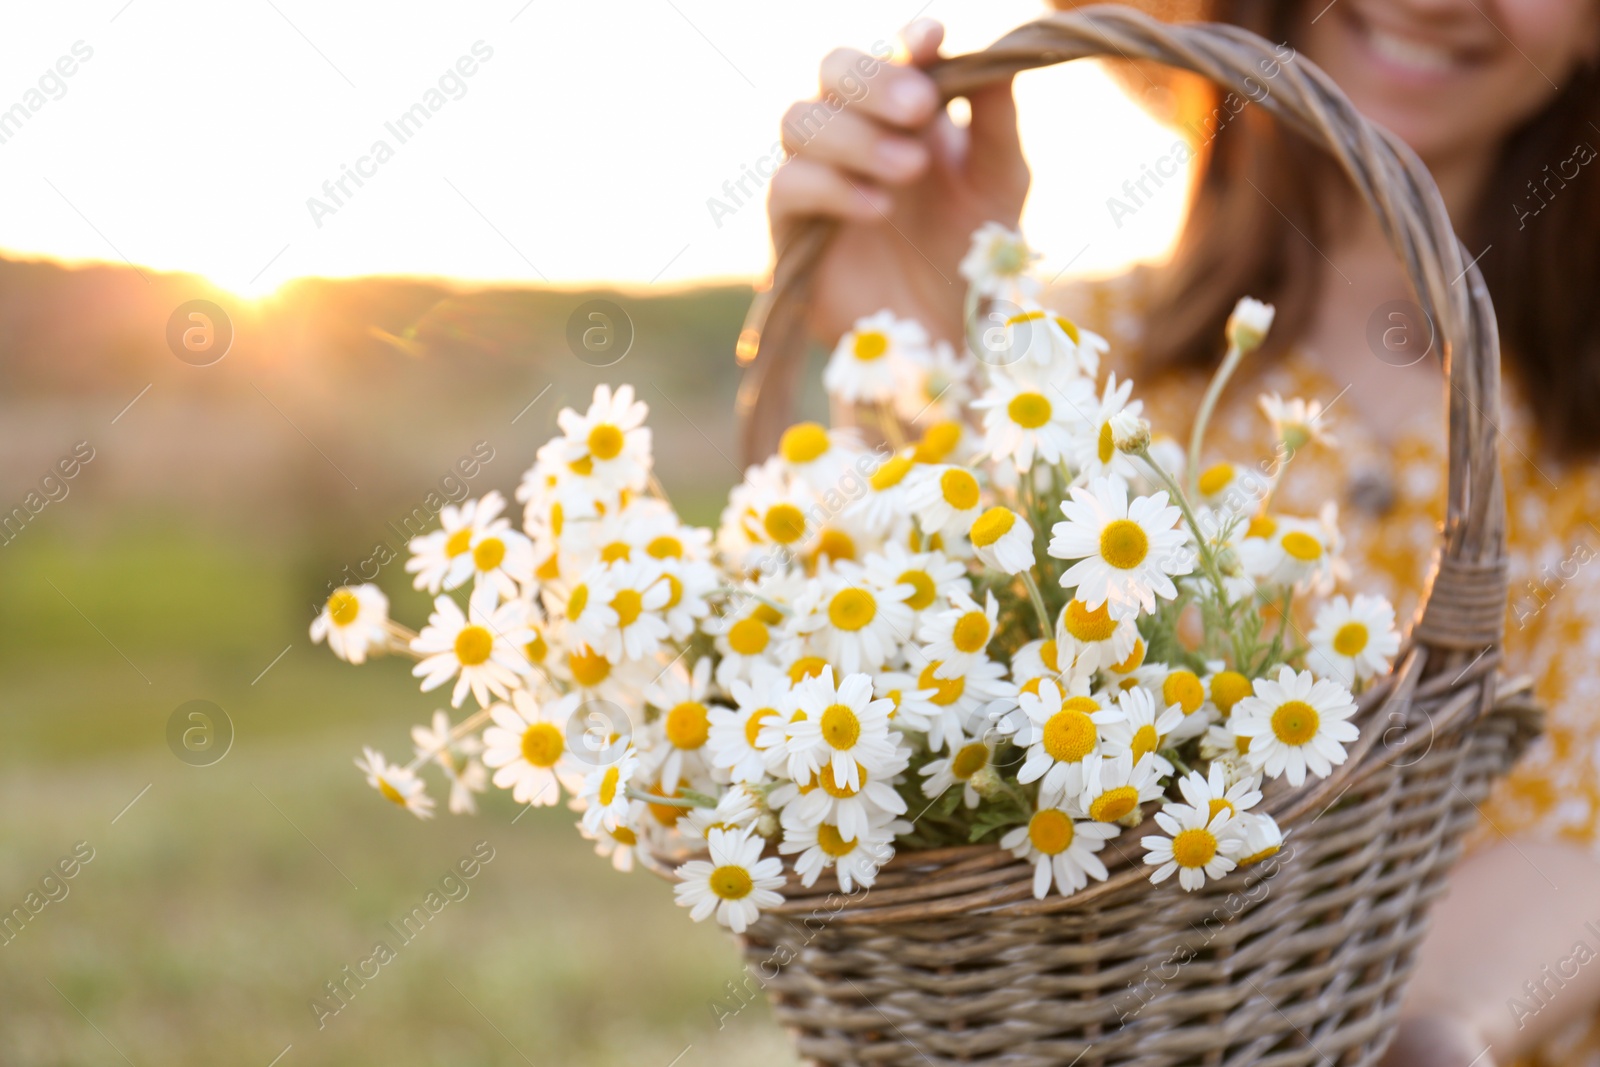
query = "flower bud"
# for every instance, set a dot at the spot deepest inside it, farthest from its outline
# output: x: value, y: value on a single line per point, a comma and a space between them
x: 1249, y: 323
x: 986, y: 783
x: 1129, y: 432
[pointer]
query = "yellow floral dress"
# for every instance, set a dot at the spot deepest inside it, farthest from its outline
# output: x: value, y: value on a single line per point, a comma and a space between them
x: 1391, y: 495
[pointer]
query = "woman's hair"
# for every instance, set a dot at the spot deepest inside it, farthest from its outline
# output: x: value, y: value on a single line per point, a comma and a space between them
x: 1257, y: 185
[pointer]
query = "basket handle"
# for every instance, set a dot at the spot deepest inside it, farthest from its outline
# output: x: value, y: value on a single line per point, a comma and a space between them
x: 1466, y: 606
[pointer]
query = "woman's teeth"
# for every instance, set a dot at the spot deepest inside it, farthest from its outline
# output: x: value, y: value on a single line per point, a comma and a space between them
x: 1410, y: 53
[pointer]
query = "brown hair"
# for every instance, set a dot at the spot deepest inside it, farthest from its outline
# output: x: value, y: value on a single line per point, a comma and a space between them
x: 1542, y: 275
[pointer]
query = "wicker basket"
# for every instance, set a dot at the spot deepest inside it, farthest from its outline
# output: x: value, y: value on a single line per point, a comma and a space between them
x: 948, y: 959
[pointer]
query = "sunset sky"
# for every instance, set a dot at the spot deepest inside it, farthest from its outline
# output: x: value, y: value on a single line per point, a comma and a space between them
x: 583, y: 146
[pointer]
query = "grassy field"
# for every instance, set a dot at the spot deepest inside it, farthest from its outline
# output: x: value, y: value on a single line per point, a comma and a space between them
x: 220, y: 900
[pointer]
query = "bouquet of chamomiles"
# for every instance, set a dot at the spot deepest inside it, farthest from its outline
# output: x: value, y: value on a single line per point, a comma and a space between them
x: 1022, y: 619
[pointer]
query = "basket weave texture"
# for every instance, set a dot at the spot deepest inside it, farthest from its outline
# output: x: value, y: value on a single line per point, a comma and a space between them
x: 948, y: 959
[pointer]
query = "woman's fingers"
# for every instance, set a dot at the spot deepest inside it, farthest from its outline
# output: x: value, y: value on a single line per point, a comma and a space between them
x: 853, y: 142
x: 897, y: 95
x: 806, y: 187
x: 922, y: 39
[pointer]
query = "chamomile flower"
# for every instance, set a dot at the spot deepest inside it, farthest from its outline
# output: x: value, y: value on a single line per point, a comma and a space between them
x: 943, y: 386
x: 853, y: 618
x: 944, y: 499
x: 526, y: 747
x: 1062, y: 735
x: 1212, y: 793
x: 997, y: 262
x: 1353, y: 640
x: 953, y: 706
x: 619, y: 843
x: 1115, y: 786
x: 877, y: 360
x: 882, y: 507
x: 1051, y: 342
x: 1262, y: 838
x: 500, y: 562
x: 817, y: 456
x: 735, y: 883
x: 690, y: 584
x: 685, y: 724
x: 747, y: 638
x: 1199, y: 846
x: 1182, y: 688
x: 457, y: 757
x: 1282, y: 550
x: 855, y: 855
x: 1095, y: 452
x: 1142, y: 728
x: 1296, y: 722
x: 935, y: 579
x: 605, y: 793
x: 843, y: 728
x: 830, y: 798
x: 609, y: 442
x: 1024, y: 419
x: 1036, y: 659
x: 1249, y: 323
x: 1091, y: 638
x: 434, y: 554
x: 736, y: 809
x: 1126, y: 552
x: 1003, y: 540
x: 636, y: 594
x: 397, y: 784
x: 484, y: 654
x: 956, y: 769
x: 1061, y: 848
x: 736, y: 743
x: 1296, y: 423
x: 959, y: 637
x: 354, y: 620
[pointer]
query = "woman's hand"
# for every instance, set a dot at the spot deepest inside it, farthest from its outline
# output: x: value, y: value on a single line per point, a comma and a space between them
x: 906, y: 183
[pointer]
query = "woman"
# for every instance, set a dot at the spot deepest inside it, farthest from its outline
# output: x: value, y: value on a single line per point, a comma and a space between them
x: 1501, y: 99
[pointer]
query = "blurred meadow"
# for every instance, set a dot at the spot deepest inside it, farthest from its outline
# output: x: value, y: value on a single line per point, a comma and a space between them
x: 182, y: 564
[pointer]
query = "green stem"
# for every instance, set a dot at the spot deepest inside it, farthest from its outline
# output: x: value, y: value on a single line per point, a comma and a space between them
x: 1046, y: 627
x: 1208, y: 404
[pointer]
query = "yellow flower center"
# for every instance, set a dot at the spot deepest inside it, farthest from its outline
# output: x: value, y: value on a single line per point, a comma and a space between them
x: 946, y: 690
x: 1228, y: 688
x: 627, y: 604
x: 537, y: 649
x: 1069, y: 328
x: 1351, y: 639
x: 665, y: 547
x: 1302, y: 546
x: 625, y: 836
x: 605, y: 441
x: 870, y: 345
x: 608, y: 786
x: 1194, y: 848
x: 616, y: 550
x: 577, y: 600
x: 1183, y: 688
x: 1114, y: 804
x: 1029, y: 410
x: 1295, y: 722
x: 749, y: 637
x: 752, y: 725
x: 550, y: 569
x: 836, y: 544
x: 806, y: 667
x: 688, y: 725
x: 1069, y: 736
x: 589, y: 668
x: 832, y: 842
x: 1215, y: 478
x: 1257, y: 857
x: 938, y: 441
x: 803, y: 442
x: 851, y: 609
x: 784, y: 523
x: 459, y: 542
x: 343, y: 607
x: 473, y: 645
x: 674, y: 590
x: 731, y: 882
x: 488, y: 554
x: 840, y: 727
x: 971, y: 632
x: 922, y: 589
x: 1090, y: 626
x: 542, y: 745
x: 1105, y: 444
x: 1262, y: 526
x: 1220, y: 804
x: 1135, y: 658
x: 1145, y: 740
x: 1049, y: 655
x: 1123, y: 544
x: 583, y: 466
x: 960, y: 489
x: 971, y: 759
x: 991, y: 526
x: 891, y: 474
x: 1050, y: 831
